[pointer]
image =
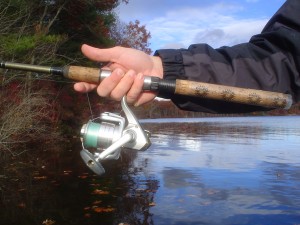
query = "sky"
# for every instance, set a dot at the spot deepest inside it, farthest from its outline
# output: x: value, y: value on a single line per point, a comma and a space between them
x: 180, y: 23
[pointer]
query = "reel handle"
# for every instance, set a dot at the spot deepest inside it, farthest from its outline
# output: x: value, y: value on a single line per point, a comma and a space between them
x: 90, y: 161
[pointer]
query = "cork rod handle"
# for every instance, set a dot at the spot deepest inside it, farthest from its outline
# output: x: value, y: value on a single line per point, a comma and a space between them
x: 79, y: 73
x: 233, y: 94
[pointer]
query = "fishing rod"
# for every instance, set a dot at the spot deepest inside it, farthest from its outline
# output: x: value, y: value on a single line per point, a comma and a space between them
x: 103, y: 137
x: 247, y: 96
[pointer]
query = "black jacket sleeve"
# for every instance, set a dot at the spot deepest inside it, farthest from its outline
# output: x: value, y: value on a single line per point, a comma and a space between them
x: 269, y: 61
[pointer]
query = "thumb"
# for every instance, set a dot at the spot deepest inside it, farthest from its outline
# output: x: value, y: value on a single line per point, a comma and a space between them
x: 100, y: 55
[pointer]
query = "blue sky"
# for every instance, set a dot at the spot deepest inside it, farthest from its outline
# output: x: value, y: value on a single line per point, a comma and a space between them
x: 179, y: 23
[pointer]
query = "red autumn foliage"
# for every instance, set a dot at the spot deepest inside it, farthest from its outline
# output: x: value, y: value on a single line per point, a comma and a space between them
x: 133, y: 35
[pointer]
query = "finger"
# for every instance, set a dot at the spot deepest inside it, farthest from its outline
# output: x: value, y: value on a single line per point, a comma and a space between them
x: 84, y: 87
x: 136, y: 89
x: 123, y: 86
x: 109, y: 83
x: 101, y: 55
x: 145, y: 98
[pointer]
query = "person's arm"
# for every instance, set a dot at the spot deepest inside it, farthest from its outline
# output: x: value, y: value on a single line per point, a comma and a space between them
x: 270, y: 61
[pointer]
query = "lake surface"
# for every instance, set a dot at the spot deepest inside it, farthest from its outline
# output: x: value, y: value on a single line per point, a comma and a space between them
x: 234, y: 170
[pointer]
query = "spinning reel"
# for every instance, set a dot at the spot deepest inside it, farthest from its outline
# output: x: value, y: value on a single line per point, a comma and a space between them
x: 108, y: 134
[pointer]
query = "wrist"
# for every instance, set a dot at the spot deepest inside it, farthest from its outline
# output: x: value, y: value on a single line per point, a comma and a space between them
x: 158, y: 66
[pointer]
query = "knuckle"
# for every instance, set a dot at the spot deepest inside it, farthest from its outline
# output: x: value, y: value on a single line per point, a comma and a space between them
x: 130, y: 98
x: 116, y: 76
x: 102, y: 94
x: 115, y: 96
x: 133, y: 95
x: 118, y: 49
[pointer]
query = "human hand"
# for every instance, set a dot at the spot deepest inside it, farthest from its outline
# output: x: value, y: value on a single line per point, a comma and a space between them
x: 128, y: 68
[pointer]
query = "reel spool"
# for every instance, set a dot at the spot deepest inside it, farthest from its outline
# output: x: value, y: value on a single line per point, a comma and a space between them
x: 107, y: 134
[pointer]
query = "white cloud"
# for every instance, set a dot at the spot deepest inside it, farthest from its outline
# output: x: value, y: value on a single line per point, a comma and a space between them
x: 231, y: 34
x: 177, y: 23
x: 206, y: 25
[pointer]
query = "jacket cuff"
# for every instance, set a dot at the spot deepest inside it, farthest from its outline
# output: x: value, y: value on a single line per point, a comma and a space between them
x: 172, y: 63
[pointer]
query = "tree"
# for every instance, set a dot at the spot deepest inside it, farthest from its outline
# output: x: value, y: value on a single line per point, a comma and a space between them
x: 50, y: 32
x: 26, y: 23
x: 132, y: 35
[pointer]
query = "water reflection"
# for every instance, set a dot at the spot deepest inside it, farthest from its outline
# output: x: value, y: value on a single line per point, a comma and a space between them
x: 204, y: 171
x: 246, y: 171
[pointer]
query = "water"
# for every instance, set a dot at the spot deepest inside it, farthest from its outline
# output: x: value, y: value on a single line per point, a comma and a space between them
x: 242, y: 170
x: 228, y: 171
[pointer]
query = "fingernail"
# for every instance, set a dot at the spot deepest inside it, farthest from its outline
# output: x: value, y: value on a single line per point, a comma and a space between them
x: 132, y: 74
x: 140, y: 76
x: 120, y: 72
